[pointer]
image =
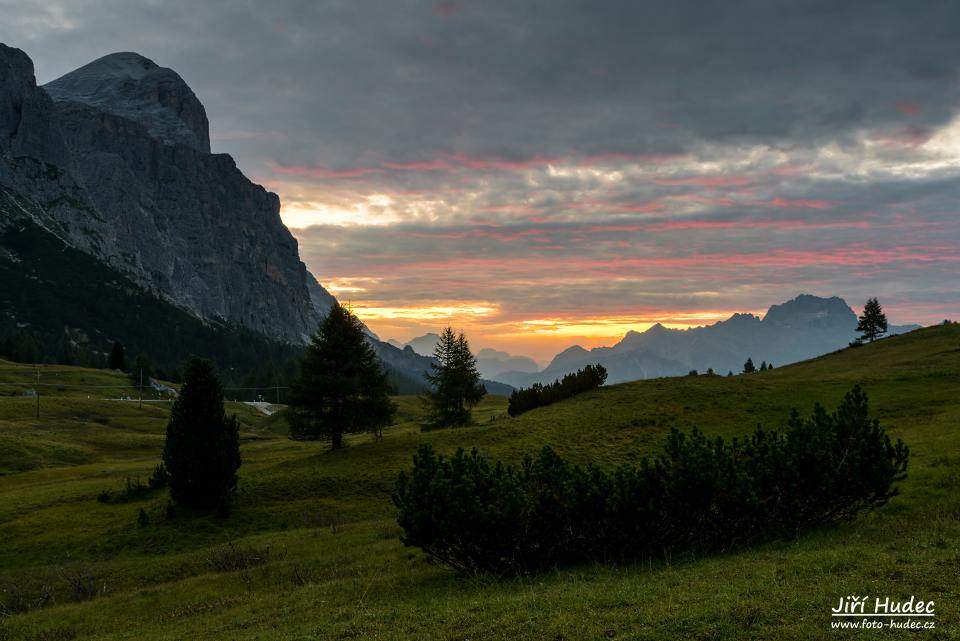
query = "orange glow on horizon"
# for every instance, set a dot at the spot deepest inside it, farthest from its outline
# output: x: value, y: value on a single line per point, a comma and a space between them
x: 539, y: 338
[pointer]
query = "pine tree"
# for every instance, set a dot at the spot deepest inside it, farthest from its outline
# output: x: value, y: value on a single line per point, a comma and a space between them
x: 202, y: 450
x: 873, y: 323
x: 749, y: 367
x: 454, y: 382
x: 341, y: 388
x: 142, y: 370
x: 118, y: 357
x: 763, y: 366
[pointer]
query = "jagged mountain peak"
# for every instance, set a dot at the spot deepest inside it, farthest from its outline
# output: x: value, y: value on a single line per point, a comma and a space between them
x: 132, y: 86
x: 807, y: 309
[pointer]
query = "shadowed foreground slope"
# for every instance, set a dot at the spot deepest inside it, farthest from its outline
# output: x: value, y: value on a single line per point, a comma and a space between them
x: 315, y: 528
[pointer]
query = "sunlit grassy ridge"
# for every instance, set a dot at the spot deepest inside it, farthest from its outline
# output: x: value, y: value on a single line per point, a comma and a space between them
x: 337, y: 569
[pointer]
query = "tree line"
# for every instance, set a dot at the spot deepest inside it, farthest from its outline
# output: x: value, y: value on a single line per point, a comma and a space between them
x: 537, y: 395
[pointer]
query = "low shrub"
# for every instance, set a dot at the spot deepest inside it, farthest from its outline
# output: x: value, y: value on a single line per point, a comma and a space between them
x: 232, y: 557
x: 699, y: 495
x: 537, y: 395
x: 159, y: 478
x: 133, y: 490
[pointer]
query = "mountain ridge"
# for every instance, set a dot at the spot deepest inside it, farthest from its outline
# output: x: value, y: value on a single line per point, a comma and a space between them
x: 114, y: 158
x: 801, y: 328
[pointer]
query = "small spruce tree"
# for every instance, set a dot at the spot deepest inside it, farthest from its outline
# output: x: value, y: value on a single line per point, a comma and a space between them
x: 749, y: 367
x: 454, y: 382
x: 202, y: 451
x: 341, y: 388
x: 873, y: 322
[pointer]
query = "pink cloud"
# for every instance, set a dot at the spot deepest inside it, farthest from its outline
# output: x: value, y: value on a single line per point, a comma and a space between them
x: 426, y: 165
x: 908, y: 108
x: 705, y: 225
x: 447, y: 9
x: 615, y: 156
x: 706, y: 181
x: 510, y: 209
x: 483, y: 162
x: 799, y: 203
x: 643, y: 207
x: 322, y: 172
x: 526, y: 267
x: 912, y: 136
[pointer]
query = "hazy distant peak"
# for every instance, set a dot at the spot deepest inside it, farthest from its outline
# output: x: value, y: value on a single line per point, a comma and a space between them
x: 424, y: 345
x: 806, y: 308
x: 741, y: 319
x: 657, y: 328
x: 132, y: 86
x: 575, y: 349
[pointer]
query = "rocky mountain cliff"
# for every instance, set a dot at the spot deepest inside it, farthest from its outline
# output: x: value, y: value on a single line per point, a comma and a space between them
x: 114, y: 159
x: 802, y: 328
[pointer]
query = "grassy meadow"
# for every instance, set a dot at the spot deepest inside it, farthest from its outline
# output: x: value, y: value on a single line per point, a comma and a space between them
x: 312, y: 551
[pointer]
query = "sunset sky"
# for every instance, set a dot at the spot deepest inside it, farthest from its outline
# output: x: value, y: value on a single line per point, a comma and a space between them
x: 555, y: 172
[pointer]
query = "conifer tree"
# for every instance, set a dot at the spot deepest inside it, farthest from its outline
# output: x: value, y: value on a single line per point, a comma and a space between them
x: 749, y: 367
x: 142, y: 370
x: 873, y: 322
x: 341, y: 388
x: 454, y: 382
x: 118, y: 357
x: 202, y: 450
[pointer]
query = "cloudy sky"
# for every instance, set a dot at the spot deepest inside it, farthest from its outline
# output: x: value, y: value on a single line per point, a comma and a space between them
x: 552, y: 172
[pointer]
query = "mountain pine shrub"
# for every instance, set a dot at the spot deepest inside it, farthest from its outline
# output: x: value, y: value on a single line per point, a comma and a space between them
x: 699, y: 495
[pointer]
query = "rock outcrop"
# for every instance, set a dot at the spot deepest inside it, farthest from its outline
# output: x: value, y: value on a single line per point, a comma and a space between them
x: 135, y: 88
x: 115, y: 159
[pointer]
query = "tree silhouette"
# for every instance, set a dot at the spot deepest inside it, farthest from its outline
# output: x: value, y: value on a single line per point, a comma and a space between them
x: 342, y: 388
x: 118, y: 357
x: 202, y: 449
x: 454, y: 382
x: 873, y: 322
x: 749, y: 367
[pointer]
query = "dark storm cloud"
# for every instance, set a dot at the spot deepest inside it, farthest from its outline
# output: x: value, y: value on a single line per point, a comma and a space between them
x: 352, y: 84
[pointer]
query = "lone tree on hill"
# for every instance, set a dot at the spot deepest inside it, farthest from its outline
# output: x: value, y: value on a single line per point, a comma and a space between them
x: 749, y: 367
x: 454, y: 382
x: 202, y: 451
x: 118, y: 357
x: 342, y: 388
x: 873, y: 322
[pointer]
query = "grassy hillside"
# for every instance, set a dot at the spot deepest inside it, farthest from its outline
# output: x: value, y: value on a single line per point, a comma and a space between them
x: 336, y: 570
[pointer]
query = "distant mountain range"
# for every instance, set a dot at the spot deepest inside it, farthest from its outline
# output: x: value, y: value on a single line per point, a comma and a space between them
x: 491, y: 363
x: 802, y: 328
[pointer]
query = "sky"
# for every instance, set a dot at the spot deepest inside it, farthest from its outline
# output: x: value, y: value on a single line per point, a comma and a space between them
x: 548, y: 173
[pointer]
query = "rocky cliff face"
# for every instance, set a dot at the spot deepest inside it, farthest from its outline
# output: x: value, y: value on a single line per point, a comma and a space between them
x: 114, y: 158
x: 135, y: 88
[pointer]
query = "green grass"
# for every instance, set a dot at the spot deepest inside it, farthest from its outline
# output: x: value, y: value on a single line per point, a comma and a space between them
x: 338, y: 570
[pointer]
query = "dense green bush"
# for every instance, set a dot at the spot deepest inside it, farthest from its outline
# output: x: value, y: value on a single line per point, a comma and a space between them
x: 537, y: 395
x: 698, y: 495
